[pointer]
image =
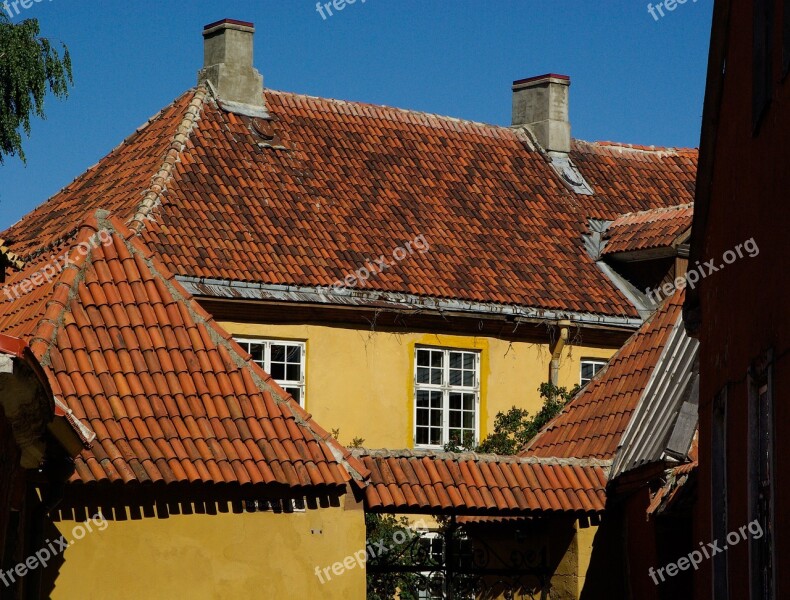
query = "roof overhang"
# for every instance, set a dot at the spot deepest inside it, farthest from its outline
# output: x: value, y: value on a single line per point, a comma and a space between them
x: 345, y: 298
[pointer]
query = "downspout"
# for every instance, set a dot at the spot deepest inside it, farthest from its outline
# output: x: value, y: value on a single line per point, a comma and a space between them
x: 556, y: 352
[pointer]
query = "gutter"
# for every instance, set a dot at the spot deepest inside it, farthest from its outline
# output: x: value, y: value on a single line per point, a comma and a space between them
x: 345, y: 298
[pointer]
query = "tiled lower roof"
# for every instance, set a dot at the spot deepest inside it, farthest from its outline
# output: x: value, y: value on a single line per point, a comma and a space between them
x: 658, y: 228
x: 170, y: 395
x: 429, y: 482
x: 593, y: 422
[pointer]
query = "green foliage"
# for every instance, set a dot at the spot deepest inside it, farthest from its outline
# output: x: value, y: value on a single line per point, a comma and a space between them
x: 357, y: 442
x: 515, y: 428
x: 29, y: 65
x: 384, y: 586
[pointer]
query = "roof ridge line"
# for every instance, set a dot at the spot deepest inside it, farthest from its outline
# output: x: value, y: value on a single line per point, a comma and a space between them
x: 660, y: 209
x: 652, y: 149
x: 408, y: 111
x: 479, y: 457
x: 512, y: 128
x: 152, y: 196
x: 78, y: 266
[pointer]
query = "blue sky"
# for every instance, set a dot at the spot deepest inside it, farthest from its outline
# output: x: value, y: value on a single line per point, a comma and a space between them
x: 634, y: 79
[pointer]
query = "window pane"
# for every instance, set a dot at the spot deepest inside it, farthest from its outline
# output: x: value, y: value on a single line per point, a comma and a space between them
x: 277, y: 370
x: 256, y: 350
x: 455, y: 377
x: 423, y: 375
x: 469, y: 401
x: 436, y: 436
x: 294, y: 354
x: 469, y: 378
x: 293, y: 372
x: 278, y: 352
x: 423, y: 357
x: 469, y: 361
x: 436, y: 358
x: 456, y: 360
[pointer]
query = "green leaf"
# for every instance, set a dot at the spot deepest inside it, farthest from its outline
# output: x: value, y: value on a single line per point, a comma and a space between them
x: 29, y: 67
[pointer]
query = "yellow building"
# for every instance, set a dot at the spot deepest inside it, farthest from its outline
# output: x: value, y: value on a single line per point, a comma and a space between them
x: 403, y: 277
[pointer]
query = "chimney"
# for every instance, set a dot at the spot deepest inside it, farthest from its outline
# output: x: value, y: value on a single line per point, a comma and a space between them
x: 541, y: 105
x: 227, y: 63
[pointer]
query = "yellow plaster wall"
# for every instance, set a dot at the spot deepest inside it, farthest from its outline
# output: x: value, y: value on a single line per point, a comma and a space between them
x: 584, y: 541
x: 362, y: 382
x: 212, y: 557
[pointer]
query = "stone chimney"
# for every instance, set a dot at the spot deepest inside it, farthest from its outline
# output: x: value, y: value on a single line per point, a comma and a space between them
x: 541, y: 105
x: 227, y: 63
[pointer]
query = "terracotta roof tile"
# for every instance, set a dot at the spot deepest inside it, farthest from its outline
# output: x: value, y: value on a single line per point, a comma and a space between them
x: 474, y: 484
x: 129, y: 370
x: 593, y: 422
x: 334, y: 184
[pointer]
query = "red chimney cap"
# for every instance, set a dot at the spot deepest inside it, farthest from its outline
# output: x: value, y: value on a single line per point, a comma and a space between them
x: 538, y: 77
x: 229, y: 22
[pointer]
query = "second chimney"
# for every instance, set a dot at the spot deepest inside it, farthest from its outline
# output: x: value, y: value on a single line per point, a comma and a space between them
x: 541, y: 105
x: 227, y: 62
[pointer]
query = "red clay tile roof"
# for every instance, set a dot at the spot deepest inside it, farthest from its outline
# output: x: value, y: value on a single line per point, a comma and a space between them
x: 656, y: 228
x: 421, y: 481
x: 592, y: 424
x: 310, y: 196
x: 171, y: 397
x: 677, y: 491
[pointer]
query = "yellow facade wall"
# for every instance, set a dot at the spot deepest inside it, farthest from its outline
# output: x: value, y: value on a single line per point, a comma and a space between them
x: 362, y: 382
x: 212, y: 557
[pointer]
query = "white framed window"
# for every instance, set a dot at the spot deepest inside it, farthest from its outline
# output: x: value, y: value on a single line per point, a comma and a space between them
x: 283, y: 360
x: 590, y: 366
x: 447, y: 396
